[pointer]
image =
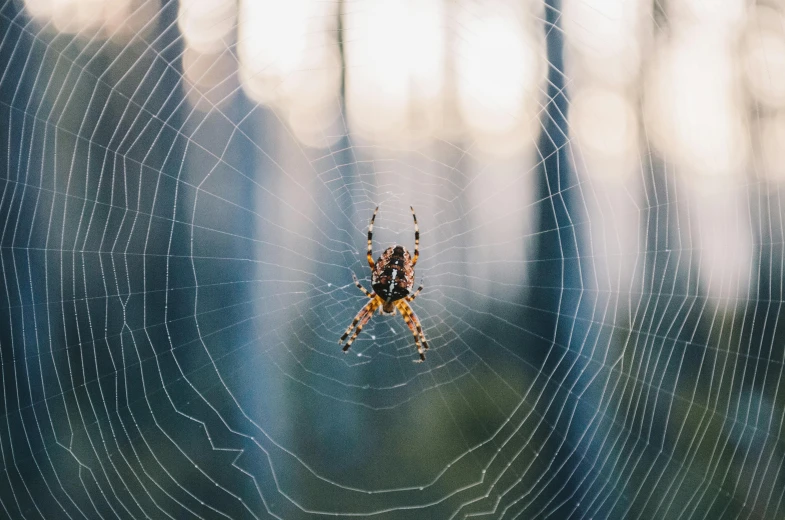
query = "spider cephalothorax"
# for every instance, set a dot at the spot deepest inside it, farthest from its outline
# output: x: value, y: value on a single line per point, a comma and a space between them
x: 392, y: 279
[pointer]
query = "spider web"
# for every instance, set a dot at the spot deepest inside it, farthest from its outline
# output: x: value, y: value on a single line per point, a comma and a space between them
x: 177, y: 268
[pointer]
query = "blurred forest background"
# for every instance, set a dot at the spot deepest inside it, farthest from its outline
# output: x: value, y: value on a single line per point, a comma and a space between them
x: 185, y: 191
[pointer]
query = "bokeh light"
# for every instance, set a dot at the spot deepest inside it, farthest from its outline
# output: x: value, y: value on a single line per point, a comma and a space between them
x: 121, y: 20
x: 394, y: 85
x: 271, y: 44
x: 694, y: 105
x: 772, y: 146
x: 607, y: 36
x: 207, y: 26
x: 499, y: 70
x: 696, y: 111
x: 289, y: 60
x: 209, y: 68
x: 606, y: 127
x: 763, y: 57
x: 722, y: 17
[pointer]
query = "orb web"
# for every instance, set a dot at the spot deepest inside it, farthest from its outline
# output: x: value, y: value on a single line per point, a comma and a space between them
x: 186, y: 190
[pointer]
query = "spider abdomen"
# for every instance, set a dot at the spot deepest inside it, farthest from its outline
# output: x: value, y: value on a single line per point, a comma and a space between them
x: 393, y: 275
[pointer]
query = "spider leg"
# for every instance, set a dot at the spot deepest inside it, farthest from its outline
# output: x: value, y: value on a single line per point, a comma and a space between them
x: 366, y: 308
x: 407, y: 308
x: 373, y: 304
x: 412, y: 327
x: 416, y: 238
x: 370, y: 238
x: 412, y: 296
x: 363, y: 289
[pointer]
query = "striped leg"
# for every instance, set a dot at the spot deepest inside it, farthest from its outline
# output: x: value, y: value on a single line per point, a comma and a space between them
x: 416, y: 238
x: 406, y: 307
x: 370, y: 237
x: 411, y: 297
x: 367, y: 309
x: 373, y: 304
x: 363, y: 289
x: 409, y: 323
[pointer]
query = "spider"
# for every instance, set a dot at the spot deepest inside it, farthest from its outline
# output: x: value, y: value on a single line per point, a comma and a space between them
x: 392, y: 277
